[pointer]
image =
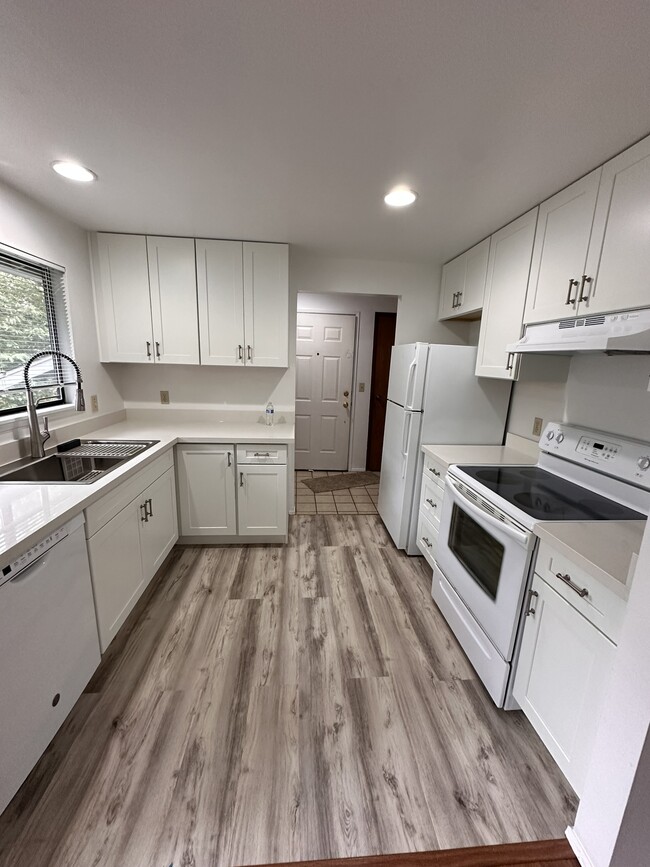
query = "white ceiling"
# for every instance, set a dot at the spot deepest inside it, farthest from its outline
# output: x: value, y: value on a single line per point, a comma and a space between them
x: 288, y: 120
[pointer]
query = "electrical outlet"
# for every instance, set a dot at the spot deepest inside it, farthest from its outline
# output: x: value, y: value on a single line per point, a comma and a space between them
x: 362, y: 386
x: 94, y: 403
x: 537, y: 426
x: 164, y: 397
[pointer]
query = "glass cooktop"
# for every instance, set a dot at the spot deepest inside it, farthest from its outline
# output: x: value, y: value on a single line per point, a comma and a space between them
x: 547, y: 497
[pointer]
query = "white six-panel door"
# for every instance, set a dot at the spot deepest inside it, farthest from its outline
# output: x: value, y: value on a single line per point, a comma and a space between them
x: 324, y: 367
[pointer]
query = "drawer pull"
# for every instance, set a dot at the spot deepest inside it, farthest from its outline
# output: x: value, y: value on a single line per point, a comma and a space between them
x: 432, y: 504
x: 435, y: 472
x: 262, y: 455
x: 426, y: 542
x: 532, y: 594
x: 581, y: 591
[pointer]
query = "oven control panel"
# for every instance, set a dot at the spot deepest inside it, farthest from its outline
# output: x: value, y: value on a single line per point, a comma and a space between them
x: 623, y: 458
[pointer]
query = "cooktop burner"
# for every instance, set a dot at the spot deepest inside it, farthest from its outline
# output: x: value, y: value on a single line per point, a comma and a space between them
x: 548, y: 497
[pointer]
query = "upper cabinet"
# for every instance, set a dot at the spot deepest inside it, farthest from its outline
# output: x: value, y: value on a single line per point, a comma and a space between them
x: 463, y: 283
x: 177, y: 301
x: 618, y: 263
x: 511, y: 251
x: 560, y: 252
x: 145, y: 291
x: 243, y: 303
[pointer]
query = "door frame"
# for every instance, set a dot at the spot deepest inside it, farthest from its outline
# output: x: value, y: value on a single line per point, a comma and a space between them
x: 355, y: 360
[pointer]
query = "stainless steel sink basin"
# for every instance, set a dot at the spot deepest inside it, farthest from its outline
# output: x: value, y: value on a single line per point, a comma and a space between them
x: 81, y: 462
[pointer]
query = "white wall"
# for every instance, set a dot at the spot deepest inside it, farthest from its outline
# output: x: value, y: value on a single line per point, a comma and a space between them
x: 611, y: 826
x: 604, y: 392
x: 364, y: 307
x: 28, y: 226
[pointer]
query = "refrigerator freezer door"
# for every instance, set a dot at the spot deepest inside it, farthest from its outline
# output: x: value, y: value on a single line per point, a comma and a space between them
x: 408, y: 364
x: 398, y: 468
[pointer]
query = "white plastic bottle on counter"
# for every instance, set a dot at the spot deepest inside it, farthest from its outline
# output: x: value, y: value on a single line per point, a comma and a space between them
x: 269, y: 413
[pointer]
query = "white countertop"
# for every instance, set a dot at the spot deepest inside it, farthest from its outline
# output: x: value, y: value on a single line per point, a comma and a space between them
x: 608, y: 550
x: 30, y: 511
x: 456, y: 454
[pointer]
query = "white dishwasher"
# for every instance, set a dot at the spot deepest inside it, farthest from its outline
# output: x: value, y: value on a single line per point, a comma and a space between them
x: 49, y: 647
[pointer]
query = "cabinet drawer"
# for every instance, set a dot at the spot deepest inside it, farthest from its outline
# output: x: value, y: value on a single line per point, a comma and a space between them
x: 599, y: 605
x: 427, y: 540
x: 431, y: 501
x: 261, y: 453
x: 103, y: 510
x: 434, y: 471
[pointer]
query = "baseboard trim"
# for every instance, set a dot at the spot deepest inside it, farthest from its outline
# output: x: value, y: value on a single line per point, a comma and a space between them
x: 578, y: 849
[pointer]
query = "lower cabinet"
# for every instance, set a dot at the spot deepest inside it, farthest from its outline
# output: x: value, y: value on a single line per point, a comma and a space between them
x: 262, y: 500
x: 206, y: 489
x: 562, y: 669
x: 128, y: 549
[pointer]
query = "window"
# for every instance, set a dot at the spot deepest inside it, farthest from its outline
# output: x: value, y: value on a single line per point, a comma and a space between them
x: 33, y: 318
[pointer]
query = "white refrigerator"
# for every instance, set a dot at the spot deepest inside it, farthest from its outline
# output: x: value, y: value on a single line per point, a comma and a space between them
x: 434, y: 396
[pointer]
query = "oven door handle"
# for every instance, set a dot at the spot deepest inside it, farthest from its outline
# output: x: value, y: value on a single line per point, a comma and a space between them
x: 472, y: 508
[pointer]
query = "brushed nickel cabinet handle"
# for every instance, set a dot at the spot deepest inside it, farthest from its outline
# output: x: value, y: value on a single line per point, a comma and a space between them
x: 588, y: 281
x: 240, y: 351
x: 532, y: 594
x: 150, y: 506
x: 569, y: 299
x: 249, y: 353
x: 157, y: 349
x: 432, y: 504
x: 460, y: 299
x: 148, y: 349
x: 581, y: 591
x: 426, y: 542
x: 229, y: 458
x: 241, y: 480
x: 143, y: 510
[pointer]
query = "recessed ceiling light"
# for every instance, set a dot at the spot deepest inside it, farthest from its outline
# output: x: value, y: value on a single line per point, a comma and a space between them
x: 73, y: 171
x: 399, y: 197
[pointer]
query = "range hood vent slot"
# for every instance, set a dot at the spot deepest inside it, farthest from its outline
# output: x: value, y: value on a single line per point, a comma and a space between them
x: 625, y: 332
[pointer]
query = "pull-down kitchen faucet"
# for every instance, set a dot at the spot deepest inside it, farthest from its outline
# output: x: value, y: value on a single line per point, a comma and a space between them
x: 38, y: 438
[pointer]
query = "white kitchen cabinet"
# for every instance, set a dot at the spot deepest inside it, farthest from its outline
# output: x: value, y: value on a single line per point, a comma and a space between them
x: 243, y: 303
x: 618, y: 262
x: 130, y: 531
x: 463, y: 282
x: 159, y: 531
x: 220, y: 281
x: 560, y: 252
x: 145, y: 295
x: 122, y: 300
x: 172, y: 283
x: 561, y: 672
x: 511, y: 251
x: 262, y: 500
x: 266, y: 304
x: 206, y: 489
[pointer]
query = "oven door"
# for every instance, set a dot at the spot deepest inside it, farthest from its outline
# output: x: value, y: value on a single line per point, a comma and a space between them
x: 485, y: 556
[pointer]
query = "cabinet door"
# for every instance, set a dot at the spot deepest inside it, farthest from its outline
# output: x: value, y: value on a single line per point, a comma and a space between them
x: 453, y: 282
x: 206, y: 489
x: 562, y: 669
x: 619, y: 255
x: 122, y: 298
x: 116, y: 570
x: 262, y: 500
x: 266, y: 304
x: 505, y: 296
x: 560, y: 251
x: 471, y: 297
x: 172, y: 278
x: 159, y: 532
x: 220, y: 280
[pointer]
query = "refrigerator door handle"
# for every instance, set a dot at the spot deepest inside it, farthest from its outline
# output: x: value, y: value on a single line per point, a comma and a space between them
x: 410, y: 384
x: 406, y: 435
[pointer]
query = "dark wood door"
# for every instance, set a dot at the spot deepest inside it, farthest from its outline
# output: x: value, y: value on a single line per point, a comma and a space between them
x: 383, y: 342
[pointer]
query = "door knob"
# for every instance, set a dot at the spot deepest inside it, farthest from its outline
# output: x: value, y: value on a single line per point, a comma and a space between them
x: 345, y: 404
x: 346, y: 394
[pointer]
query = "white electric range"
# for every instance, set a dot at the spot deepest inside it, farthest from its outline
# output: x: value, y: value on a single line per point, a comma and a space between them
x: 487, y: 544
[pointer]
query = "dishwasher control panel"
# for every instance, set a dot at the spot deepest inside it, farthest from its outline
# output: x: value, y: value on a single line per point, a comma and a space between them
x: 12, y: 569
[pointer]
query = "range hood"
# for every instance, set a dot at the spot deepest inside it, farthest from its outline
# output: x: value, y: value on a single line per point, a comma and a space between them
x: 627, y: 332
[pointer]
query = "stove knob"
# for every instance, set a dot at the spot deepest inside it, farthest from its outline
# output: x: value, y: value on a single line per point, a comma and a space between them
x: 559, y: 438
x: 643, y: 463
x: 550, y: 435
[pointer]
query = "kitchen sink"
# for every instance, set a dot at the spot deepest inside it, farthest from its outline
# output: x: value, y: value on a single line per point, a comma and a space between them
x: 79, y: 462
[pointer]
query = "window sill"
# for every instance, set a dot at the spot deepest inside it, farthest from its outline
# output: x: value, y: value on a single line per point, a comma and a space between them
x: 19, y: 420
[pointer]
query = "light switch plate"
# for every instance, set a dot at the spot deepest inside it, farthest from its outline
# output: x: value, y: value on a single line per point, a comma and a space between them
x: 362, y: 386
x: 94, y: 403
x: 537, y: 426
x: 164, y: 397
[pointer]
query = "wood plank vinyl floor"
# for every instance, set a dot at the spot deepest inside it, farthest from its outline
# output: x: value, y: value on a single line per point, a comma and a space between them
x: 283, y: 703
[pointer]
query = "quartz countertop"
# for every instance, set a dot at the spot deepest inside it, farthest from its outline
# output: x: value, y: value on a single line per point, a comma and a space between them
x: 28, y: 512
x: 608, y: 550
x: 461, y: 454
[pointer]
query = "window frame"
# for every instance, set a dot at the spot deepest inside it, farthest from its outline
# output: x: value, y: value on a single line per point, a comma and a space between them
x: 30, y: 266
